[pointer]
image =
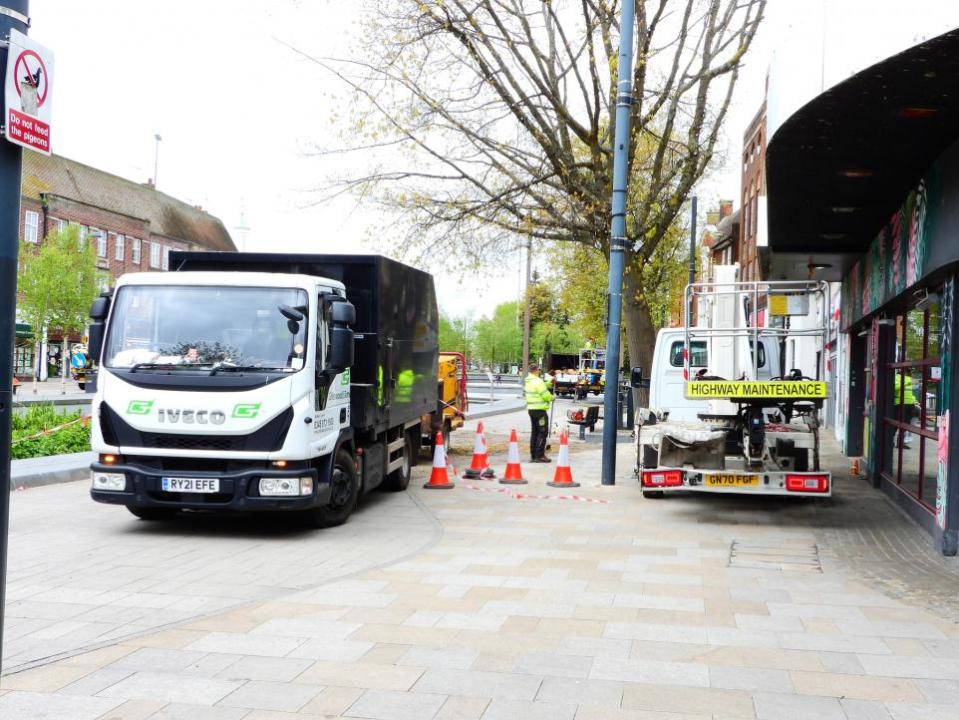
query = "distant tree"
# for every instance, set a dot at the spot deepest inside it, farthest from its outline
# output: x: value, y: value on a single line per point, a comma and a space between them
x: 57, y: 282
x: 456, y: 335
x: 499, y: 339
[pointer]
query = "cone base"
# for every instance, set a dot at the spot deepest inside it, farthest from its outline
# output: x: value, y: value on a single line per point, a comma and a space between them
x: 488, y: 474
x: 471, y: 474
x: 563, y: 484
x: 445, y: 486
x: 514, y: 482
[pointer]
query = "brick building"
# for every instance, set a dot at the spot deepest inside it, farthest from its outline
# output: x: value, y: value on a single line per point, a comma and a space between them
x: 133, y: 226
x: 752, y: 239
x: 717, y: 246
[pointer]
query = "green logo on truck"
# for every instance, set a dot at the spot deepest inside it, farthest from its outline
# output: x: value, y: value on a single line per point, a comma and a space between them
x: 245, y: 411
x: 139, y: 407
x: 345, y: 377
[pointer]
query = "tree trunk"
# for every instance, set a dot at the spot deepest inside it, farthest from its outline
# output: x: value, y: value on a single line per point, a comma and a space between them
x: 640, y: 331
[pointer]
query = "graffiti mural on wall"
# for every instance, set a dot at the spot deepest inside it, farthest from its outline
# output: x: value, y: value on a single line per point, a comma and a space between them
x: 945, y: 347
x: 896, y: 258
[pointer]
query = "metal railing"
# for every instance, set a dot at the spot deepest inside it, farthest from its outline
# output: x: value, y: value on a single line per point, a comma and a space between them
x: 751, y: 297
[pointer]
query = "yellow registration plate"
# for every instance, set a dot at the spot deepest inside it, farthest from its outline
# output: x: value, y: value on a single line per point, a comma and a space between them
x: 731, y: 480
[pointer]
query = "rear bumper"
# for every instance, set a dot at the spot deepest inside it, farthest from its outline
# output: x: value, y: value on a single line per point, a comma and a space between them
x: 783, y: 483
x: 239, y: 490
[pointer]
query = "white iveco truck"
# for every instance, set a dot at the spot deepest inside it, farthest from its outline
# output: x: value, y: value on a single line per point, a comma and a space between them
x: 259, y: 382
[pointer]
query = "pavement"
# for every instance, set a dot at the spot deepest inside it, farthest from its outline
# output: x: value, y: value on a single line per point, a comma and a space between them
x: 486, y: 602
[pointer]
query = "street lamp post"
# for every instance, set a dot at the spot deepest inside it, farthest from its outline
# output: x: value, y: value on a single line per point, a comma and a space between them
x: 529, y: 277
x: 14, y: 15
x: 617, y: 240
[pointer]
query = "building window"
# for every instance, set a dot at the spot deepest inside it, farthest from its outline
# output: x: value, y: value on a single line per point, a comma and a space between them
x: 103, y: 281
x: 31, y: 226
x: 166, y: 257
x: 101, y: 236
x: 910, y: 430
x: 135, y: 251
x: 155, y: 255
x: 119, y: 243
x: 82, y: 232
x: 61, y: 224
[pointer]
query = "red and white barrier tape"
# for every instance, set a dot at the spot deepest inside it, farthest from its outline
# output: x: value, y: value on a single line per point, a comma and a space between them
x: 528, y: 496
x: 50, y: 431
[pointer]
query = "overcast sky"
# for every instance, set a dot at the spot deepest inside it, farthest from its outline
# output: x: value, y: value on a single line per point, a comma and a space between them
x: 238, y: 111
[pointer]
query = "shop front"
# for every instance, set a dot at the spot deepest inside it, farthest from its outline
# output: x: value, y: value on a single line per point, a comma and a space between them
x: 899, y: 310
x: 23, y: 353
x: 863, y: 183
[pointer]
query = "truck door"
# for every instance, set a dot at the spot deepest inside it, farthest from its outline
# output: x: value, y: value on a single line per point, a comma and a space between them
x: 321, y: 391
x: 670, y: 391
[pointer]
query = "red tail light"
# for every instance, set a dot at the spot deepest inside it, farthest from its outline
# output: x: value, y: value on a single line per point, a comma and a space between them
x: 662, y: 478
x: 807, y: 483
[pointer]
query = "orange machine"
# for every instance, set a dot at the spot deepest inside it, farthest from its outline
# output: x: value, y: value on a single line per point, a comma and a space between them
x: 452, y: 399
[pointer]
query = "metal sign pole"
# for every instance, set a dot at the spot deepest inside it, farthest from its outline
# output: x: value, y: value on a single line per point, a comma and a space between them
x: 13, y: 16
x: 617, y: 240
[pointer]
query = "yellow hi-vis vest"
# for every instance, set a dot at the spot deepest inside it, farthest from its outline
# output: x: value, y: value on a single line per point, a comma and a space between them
x: 538, y: 396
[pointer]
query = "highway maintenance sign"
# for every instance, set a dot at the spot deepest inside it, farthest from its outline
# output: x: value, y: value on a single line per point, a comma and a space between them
x: 753, y: 390
x: 26, y: 93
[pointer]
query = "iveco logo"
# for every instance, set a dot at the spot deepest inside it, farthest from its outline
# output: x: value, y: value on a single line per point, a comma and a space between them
x: 191, y: 417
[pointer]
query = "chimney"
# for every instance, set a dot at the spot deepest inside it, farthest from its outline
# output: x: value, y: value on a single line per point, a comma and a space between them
x: 725, y: 208
x: 150, y: 184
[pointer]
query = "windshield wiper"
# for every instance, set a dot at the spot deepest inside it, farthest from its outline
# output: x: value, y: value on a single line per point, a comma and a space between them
x: 165, y: 366
x: 149, y: 366
x: 245, y: 368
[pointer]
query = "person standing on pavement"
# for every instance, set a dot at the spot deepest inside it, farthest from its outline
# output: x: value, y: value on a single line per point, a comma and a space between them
x: 903, y: 395
x: 538, y: 401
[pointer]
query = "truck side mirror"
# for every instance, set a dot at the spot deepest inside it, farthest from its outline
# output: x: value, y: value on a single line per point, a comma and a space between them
x: 98, y: 313
x: 636, y: 379
x: 340, y: 354
x: 341, y: 349
x: 100, y: 308
x: 95, y: 344
x: 343, y: 313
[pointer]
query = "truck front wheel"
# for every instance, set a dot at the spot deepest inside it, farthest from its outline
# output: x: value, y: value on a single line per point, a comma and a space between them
x: 344, y: 490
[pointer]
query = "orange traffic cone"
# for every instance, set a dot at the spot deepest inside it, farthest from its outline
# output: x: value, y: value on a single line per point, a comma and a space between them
x: 854, y: 469
x: 563, y: 477
x: 514, y: 473
x: 479, y: 466
x: 439, y: 478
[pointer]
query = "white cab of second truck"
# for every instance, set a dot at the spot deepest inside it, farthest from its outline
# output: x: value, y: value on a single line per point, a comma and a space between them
x: 667, y: 388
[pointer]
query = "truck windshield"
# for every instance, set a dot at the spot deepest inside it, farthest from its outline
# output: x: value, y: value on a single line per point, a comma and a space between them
x: 180, y: 326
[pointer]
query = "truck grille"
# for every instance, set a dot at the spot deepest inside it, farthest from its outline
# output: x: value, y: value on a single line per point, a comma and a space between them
x: 116, y: 431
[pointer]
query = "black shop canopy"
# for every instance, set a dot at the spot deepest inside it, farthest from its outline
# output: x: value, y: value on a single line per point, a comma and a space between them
x: 840, y: 167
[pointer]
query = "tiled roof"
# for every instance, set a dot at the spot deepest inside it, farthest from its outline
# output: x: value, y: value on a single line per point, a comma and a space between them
x: 167, y: 216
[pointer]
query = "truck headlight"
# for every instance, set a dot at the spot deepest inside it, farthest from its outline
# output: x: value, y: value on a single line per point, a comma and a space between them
x: 306, y: 486
x: 114, y: 482
x: 279, y: 487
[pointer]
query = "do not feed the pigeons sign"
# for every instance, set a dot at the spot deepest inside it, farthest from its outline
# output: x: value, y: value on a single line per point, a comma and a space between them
x: 27, y: 93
